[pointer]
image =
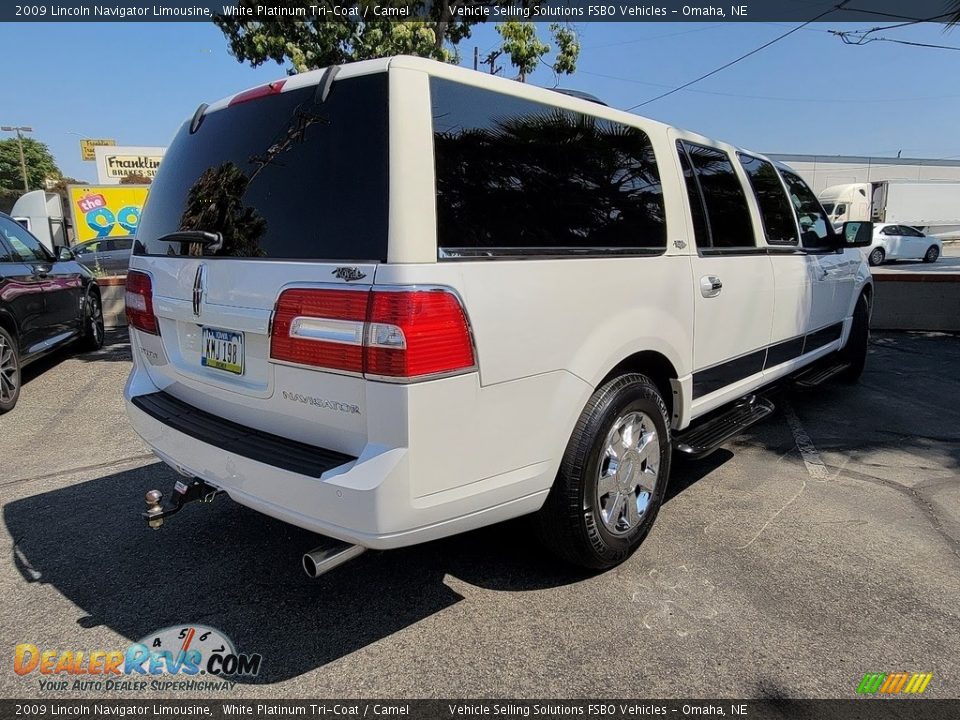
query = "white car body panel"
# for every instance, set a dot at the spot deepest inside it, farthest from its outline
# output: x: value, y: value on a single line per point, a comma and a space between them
x: 446, y: 455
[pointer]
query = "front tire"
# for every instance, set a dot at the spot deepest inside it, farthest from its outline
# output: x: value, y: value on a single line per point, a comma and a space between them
x: 855, y: 351
x: 876, y: 256
x: 9, y: 372
x: 613, y: 476
x: 933, y: 252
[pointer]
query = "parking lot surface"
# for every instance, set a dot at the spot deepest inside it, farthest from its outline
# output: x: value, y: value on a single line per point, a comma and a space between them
x: 821, y: 545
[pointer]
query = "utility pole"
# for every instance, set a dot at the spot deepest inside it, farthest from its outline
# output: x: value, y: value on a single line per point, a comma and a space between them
x: 23, y: 162
x: 476, y: 58
x: 491, y: 60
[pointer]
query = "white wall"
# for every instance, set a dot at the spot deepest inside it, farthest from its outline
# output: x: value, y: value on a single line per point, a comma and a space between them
x: 823, y: 171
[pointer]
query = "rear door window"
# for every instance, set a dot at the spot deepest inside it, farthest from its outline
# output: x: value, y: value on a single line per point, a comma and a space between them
x: 517, y: 177
x: 779, y: 226
x: 280, y: 176
x: 724, y: 201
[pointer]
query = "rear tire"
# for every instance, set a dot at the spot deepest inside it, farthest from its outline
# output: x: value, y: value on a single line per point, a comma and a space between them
x: 9, y: 372
x: 933, y: 252
x: 876, y: 256
x: 613, y: 476
x: 855, y: 351
x: 93, y: 328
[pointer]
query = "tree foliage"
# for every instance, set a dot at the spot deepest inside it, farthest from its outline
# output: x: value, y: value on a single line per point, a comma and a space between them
x: 323, y: 40
x: 526, y: 50
x: 39, y: 161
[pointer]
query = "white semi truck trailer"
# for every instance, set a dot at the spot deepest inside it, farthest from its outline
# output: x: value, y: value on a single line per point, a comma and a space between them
x: 931, y: 207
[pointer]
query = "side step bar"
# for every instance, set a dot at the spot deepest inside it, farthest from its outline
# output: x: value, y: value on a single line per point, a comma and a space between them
x: 818, y: 375
x: 705, y: 437
x: 325, y: 558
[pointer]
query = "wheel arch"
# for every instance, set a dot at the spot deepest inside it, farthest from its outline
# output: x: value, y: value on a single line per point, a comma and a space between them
x: 657, y: 367
x: 8, y: 323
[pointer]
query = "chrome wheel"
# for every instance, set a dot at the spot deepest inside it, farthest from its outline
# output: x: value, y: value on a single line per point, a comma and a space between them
x: 876, y: 257
x: 9, y: 377
x: 629, y: 469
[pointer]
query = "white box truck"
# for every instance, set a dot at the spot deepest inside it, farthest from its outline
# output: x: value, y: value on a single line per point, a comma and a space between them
x: 931, y: 207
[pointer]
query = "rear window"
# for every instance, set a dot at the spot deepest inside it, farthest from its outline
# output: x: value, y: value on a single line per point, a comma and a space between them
x: 516, y: 178
x: 281, y: 177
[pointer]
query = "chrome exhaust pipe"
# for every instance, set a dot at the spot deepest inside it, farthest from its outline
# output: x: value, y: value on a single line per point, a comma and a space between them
x: 326, y: 557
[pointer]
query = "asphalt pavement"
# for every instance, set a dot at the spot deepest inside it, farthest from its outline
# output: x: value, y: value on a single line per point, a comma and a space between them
x: 821, y: 545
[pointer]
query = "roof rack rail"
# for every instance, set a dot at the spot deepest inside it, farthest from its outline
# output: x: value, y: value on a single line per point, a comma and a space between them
x: 580, y: 94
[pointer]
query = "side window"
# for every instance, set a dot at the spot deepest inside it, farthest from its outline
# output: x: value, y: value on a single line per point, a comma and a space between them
x: 516, y: 177
x: 890, y: 230
x: 814, y: 225
x: 841, y: 209
x: 779, y: 226
x: 23, y: 243
x: 727, y: 214
x: 701, y: 231
x: 123, y: 243
x: 910, y: 232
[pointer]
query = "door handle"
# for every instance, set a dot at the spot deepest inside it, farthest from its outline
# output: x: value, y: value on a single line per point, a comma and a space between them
x: 710, y: 286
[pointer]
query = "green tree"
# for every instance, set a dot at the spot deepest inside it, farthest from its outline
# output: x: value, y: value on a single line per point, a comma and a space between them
x: 323, y: 40
x: 39, y: 161
x: 526, y: 50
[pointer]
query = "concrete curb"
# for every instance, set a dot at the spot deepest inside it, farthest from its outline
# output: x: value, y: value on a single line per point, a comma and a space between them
x: 112, y: 292
x: 916, y: 301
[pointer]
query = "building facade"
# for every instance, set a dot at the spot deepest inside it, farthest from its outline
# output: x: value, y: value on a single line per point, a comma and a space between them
x: 822, y: 171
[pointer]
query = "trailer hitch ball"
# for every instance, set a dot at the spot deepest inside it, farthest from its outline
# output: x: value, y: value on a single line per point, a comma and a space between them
x: 154, y: 514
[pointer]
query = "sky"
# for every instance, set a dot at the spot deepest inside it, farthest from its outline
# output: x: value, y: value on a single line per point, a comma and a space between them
x: 809, y: 93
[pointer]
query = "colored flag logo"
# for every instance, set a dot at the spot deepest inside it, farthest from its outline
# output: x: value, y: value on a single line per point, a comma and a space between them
x: 894, y: 683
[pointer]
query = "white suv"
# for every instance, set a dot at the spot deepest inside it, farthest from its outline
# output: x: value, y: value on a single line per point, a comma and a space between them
x: 397, y: 300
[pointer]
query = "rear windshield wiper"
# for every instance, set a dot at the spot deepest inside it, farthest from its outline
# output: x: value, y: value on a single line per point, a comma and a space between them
x: 211, y: 241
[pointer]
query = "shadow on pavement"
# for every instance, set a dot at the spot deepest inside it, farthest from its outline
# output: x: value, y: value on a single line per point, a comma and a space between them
x: 239, y: 571
x: 116, y: 348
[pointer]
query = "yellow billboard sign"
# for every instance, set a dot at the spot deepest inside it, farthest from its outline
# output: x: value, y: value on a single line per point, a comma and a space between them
x: 105, y: 210
x: 88, y: 144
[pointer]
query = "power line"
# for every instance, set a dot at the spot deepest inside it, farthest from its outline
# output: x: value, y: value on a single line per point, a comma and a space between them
x: 862, y: 37
x: 776, y: 98
x: 742, y: 57
x: 653, y: 37
x: 908, y: 42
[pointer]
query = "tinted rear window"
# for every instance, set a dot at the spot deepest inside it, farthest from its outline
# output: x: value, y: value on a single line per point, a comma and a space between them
x: 280, y: 177
x: 516, y: 177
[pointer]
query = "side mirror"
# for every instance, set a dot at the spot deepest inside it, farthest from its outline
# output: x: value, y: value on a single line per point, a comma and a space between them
x: 63, y: 253
x: 856, y: 234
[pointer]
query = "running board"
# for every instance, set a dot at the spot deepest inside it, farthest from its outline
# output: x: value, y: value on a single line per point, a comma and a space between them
x: 702, y: 439
x: 819, y: 375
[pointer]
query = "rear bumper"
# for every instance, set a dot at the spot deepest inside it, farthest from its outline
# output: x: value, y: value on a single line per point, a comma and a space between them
x: 366, y: 501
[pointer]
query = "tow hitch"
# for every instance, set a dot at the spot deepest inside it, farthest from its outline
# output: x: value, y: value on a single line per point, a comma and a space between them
x: 195, y: 490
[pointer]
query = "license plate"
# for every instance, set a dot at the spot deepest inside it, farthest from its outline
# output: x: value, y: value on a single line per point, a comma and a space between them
x: 223, y: 350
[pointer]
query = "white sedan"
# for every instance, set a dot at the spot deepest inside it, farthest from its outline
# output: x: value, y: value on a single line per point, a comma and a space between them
x: 901, y: 242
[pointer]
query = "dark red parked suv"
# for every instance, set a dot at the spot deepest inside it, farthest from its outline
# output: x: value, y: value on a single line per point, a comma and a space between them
x: 46, y: 301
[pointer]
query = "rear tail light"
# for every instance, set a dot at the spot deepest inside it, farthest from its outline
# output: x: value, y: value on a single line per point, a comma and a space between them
x: 139, y: 303
x: 394, y: 334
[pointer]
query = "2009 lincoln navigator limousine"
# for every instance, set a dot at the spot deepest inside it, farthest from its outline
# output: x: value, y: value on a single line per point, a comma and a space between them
x: 396, y: 300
